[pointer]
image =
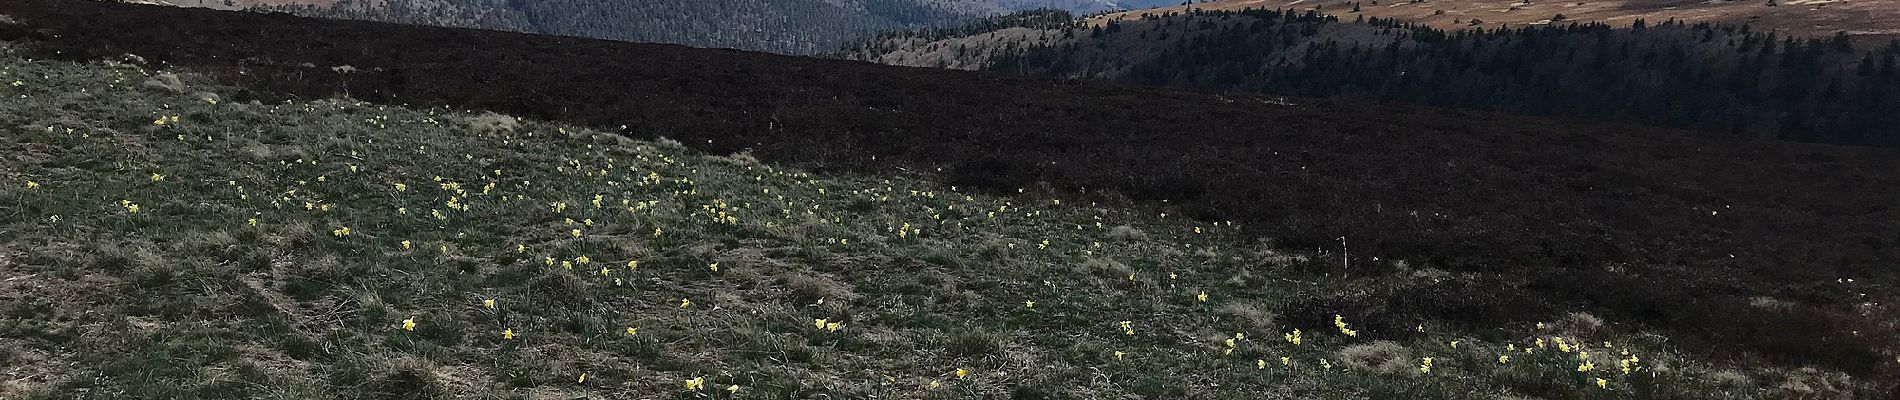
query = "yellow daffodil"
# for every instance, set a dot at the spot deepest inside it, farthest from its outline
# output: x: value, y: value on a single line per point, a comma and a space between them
x: 714, y: 267
x: 409, y: 324
x: 833, y: 326
x: 1603, y: 384
x: 406, y: 245
x: 1029, y: 304
x: 632, y: 331
x: 1286, y: 361
x: 489, y: 303
x: 962, y: 373
x: 1259, y: 364
x: 1128, y: 327
x: 576, y: 233
x: 1294, y: 337
x: 684, y: 303
x: 1202, y: 297
x: 32, y: 185
x: 1119, y: 354
x: 818, y: 323
x: 696, y: 384
x: 1425, y: 367
x: 1454, y: 344
x: 734, y: 389
x: 633, y: 264
x: 935, y: 384
x: 252, y: 222
x: 401, y: 187
x: 508, y: 334
x: 1503, y: 359
x: 582, y: 379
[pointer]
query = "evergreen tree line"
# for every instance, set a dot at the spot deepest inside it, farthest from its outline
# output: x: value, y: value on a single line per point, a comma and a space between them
x: 1717, y: 78
x: 780, y: 26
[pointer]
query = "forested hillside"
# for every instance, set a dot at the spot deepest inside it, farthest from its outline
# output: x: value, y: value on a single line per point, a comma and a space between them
x: 1726, y: 79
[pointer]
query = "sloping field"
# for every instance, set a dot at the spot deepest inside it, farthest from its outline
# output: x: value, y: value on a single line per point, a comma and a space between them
x: 1744, y: 249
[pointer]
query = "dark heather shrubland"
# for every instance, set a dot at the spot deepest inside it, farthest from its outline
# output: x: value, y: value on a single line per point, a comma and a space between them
x: 1716, y: 78
x: 1754, y: 256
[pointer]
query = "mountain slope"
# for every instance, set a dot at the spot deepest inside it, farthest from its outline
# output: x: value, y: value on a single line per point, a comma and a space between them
x: 172, y: 244
x: 1737, y: 250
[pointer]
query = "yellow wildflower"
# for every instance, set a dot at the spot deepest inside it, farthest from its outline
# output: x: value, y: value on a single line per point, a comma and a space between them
x: 696, y: 384
x: 1603, y: 384
x: 409, y: 324
x: 582, y: 379
x: 1202, y: 297
x: 714, y: 267
x: 1426, y: 366
x: 1119, y: 354
x: 734, y: 389
x: 406, y: 245
x: 962, y: 373
x: 632, y: 331
x: 1503, y: 359
x: 685, y: 303
x: 576, y: 233
x: 489, y: 303
x: 508, y: 334
x: 32, y: 185
x: 156, y: 177
x: 1259, y: 364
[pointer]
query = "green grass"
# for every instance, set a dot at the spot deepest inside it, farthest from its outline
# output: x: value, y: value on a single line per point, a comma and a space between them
x: 186, y: 298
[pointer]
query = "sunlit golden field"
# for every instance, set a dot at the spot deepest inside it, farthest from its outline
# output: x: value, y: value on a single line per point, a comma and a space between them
x: 160, y: 241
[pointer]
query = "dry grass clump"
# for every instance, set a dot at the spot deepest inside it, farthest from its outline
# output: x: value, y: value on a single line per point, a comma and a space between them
x: 1383, y: 357
x: 492, y: 123
x: 1127, y: 233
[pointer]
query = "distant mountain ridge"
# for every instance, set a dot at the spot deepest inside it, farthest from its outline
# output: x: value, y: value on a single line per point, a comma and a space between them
x: 779, y: 26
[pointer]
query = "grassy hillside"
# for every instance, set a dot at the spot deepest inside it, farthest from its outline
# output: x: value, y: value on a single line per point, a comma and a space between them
x: 162, y: 243
x: 1745, y: 250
